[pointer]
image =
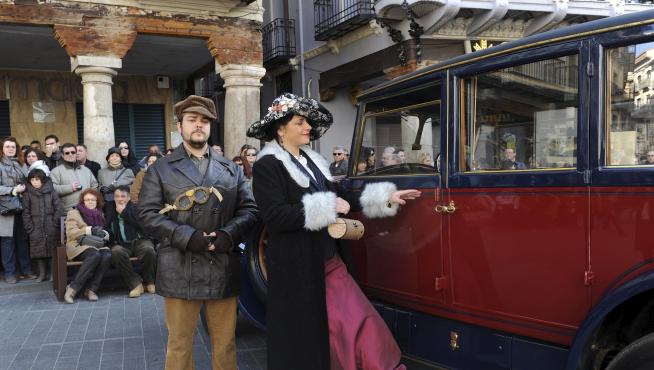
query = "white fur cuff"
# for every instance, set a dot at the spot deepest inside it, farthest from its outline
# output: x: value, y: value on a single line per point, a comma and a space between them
x: 319, y: 210
x: 375, y: 200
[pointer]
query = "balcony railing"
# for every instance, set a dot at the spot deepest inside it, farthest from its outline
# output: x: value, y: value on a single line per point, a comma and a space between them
x: 278, y: 41
x: 335, y: 18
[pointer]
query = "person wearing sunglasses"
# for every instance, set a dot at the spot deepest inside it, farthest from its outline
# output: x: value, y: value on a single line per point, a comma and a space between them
x: 70, y: 177
x: 251, y: 155
x: 199, y: 206
x: 339, y: 166
x: 128, y: 157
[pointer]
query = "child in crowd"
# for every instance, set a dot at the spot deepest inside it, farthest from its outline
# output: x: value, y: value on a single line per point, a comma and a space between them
x: 41, y: 213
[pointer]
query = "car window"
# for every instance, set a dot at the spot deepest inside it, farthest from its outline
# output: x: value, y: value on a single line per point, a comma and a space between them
x: 630, y: 112
x: 523, y: 117
x: 401, y: 134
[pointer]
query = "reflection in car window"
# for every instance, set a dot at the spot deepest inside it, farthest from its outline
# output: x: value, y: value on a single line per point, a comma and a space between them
x: 630, y: 114
x: 401, y: 134
x: 522, y: 117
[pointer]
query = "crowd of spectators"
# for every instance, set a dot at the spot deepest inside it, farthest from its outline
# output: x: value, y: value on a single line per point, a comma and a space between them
x: 99, y: 205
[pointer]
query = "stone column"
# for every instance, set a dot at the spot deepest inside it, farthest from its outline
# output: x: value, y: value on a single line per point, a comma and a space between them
x: 242, y: 84
x: 97, y: 73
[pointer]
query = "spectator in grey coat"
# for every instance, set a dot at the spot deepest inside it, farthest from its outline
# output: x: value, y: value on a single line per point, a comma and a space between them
x: 13, y: 239
x: 339, y: 166
x: 114, y: 175
x: 70, y: 178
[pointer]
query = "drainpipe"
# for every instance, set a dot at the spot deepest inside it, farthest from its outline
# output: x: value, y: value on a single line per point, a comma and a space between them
x: 301, y: 24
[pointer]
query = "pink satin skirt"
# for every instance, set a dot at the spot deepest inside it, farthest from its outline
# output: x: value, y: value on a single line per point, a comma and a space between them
x: 358, y: 336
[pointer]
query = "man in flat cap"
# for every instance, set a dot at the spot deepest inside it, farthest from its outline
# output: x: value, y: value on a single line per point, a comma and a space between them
x: 198, y: 204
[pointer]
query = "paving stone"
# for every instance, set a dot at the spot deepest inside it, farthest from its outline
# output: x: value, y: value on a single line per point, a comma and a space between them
x: 38, y: 332
x: 112, y: 346
x: 24, y: 359
x: 71, y: 350
x: 66, y: 363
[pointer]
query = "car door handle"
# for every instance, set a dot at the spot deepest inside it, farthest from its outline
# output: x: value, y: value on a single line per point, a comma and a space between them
x: 449, y: 208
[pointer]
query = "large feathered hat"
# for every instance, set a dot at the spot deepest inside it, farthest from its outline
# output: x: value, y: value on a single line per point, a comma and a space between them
x: 287, y: 104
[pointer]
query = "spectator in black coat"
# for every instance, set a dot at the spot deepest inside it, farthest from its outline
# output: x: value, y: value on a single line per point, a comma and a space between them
x: 82, y: 152
x: 128, y: 240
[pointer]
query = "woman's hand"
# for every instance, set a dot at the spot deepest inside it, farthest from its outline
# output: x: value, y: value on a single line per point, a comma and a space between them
x: 401, y: 196
x: 19, y: 188
x: 342, y: 206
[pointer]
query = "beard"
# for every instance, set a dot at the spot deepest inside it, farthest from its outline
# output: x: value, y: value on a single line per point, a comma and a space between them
x: 197, y: 143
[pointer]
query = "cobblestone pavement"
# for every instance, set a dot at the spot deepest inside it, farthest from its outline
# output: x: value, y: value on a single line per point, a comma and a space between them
x: 38, y: 332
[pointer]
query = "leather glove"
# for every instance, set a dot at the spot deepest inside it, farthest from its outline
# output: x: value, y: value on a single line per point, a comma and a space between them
x: 98, y: 231
x: 111, y: 188
x: 198, y: 242
x: 223, y: 242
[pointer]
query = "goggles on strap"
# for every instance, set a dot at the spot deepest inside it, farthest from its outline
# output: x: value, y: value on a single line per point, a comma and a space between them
x: 191, y: 197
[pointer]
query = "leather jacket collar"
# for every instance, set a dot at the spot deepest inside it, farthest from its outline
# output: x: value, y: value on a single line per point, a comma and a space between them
x: 180, y: 160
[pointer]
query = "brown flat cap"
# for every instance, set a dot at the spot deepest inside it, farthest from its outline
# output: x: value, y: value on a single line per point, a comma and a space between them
x: 196, y: 104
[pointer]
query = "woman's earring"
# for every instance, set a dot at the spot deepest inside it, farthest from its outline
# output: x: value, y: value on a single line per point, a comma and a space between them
x: 281, y: 140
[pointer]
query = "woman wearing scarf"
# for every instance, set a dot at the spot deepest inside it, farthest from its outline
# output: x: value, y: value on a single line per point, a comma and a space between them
x: 86, y: 236
x: 13, y: 238
x: 317, y: 317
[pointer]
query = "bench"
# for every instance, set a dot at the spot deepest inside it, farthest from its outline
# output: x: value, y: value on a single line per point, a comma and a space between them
x: 61, y: 264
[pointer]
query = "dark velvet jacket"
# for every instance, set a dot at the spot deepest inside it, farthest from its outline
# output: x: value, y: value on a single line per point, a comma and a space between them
x: 296, y: 214
x: 180, y: 272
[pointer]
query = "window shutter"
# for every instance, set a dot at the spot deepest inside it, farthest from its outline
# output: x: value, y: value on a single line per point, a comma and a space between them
x: 139, y: 124
x: 5, y: 128
x: 149, y: 127
x: 121, y: 124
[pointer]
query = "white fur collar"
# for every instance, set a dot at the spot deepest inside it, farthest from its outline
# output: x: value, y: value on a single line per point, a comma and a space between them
x: 274, y: 149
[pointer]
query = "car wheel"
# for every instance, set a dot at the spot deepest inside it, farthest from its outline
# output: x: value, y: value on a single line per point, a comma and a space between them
x: 256, y: 258
x: 638, y: 355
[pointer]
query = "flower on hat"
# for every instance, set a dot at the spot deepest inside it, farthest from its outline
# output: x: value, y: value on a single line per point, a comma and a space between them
x: 318, y: 116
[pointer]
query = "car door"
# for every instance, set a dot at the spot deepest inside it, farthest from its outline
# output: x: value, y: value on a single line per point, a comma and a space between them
x: 518, y: 238
x: 398, y: 139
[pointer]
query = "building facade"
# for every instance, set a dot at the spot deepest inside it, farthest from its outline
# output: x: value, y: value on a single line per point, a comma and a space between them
x: 97, y: 72
x: 335, y: 49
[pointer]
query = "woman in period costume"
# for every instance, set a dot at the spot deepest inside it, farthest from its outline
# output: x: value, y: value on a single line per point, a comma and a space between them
x: 317, y: 317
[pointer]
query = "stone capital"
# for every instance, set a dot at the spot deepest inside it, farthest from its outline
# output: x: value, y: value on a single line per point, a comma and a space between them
x: 241, y: 75
x: 95, y: 61
x: 96, y: 75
